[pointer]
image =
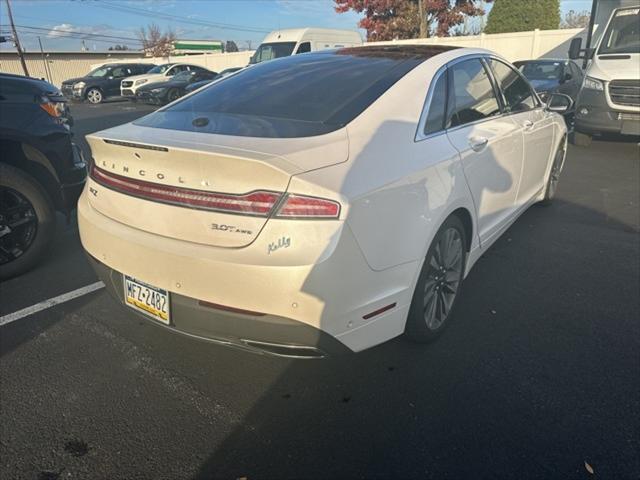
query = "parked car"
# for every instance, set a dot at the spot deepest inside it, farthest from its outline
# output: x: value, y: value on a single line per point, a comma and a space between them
x: 102, y: 82
x: 325, y: 202
x: 225, y: 73
x: 282, y: 43
x: 609, y: 101
x: 549, y: 75
x: 160, y: 73
x: 41, y: 169
x: 160, y: 93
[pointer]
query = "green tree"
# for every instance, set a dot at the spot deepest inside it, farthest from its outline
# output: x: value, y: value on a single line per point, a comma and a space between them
x: 523, y: 15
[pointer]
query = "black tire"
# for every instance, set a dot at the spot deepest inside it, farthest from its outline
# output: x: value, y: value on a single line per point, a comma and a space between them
x: 18, y: 257
x: 172, y: 95
x: 417, y: 328
x: 554, y: 174
x: 94, y: 95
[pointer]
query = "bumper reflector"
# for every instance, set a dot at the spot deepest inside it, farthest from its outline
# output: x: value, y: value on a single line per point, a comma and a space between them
x: 379, y: 311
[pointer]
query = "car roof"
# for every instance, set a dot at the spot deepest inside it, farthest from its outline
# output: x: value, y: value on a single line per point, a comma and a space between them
x: 36, y: 83
x: 395, y: 51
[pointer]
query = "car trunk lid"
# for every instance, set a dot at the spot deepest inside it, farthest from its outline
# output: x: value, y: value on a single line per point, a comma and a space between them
x: 203, y: 188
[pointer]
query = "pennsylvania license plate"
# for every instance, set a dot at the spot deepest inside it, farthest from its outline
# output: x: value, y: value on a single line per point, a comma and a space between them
x: 147, y: 299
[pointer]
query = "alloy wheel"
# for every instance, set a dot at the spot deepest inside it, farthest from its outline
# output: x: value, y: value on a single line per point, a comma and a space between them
x: 556, y: 168
x: 444, y: 275
x: 94, y: 96
x: 18, y: 225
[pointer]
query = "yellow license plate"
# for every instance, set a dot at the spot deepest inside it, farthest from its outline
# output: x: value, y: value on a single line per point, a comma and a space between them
x: 145, y: 298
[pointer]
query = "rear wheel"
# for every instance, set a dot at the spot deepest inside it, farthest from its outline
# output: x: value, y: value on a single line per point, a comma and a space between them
x: 438, y: 286
x: 554, y: 174
x: 94, y: 95
x: 27, y: 221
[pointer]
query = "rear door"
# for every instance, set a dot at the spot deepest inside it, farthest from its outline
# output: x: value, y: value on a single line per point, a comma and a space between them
x: 489, y: 143
x: 113, y: 82
x: 530, y: 118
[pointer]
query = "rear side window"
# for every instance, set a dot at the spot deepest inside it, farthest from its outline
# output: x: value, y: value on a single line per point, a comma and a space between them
x: 304, y: 47
x: 437, y: 106
x: 297, y: 96
x: 471, y: 96
x: 517, y: 93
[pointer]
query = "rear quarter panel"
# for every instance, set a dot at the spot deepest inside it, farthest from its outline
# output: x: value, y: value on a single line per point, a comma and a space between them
x: 399, y: 190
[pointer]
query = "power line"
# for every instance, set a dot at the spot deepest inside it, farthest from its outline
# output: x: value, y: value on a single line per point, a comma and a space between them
x: 175, y: 18
x: 78, y: 32
x: 72, y: 37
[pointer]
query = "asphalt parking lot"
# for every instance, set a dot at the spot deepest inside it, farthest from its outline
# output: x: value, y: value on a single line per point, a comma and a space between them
x: 538, y: 376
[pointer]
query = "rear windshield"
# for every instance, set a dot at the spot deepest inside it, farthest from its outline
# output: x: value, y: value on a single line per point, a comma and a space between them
x: 542, y: 70
x: 297, y: 96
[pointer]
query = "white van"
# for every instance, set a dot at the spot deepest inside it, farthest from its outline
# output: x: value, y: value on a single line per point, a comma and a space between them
x: 282, y: 43
x: 610, y: 97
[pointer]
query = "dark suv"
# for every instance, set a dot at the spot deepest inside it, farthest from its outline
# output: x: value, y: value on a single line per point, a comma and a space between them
x: 41, y: 170
x: 102, y: 82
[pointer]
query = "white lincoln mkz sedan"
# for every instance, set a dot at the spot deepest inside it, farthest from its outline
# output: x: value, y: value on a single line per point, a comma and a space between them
x: 322, y: 202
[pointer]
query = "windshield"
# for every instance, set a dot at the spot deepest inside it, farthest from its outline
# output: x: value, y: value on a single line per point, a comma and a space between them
x: 160, y: 68
x: 99, y: 72
x: 269, y: 51
x: 297, y: 96
x: 542, y: 71
x: 623, y: 33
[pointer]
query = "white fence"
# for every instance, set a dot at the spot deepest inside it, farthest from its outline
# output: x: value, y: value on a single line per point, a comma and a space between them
x: 512, y: 46
x: 213, y: 61
x: 60, y: 67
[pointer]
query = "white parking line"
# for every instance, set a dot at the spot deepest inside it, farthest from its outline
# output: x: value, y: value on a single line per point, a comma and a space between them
x: 38, y: 307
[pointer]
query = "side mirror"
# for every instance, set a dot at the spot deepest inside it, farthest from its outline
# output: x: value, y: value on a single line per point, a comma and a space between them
x: 574, y: 48
x: 559, y: 103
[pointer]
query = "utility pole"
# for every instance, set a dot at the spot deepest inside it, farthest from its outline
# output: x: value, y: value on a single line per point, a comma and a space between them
x: 44, y: 61
x: 16, y: 40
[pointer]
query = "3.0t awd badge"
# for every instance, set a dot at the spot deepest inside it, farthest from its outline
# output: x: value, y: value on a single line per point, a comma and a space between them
x: 230, y: 228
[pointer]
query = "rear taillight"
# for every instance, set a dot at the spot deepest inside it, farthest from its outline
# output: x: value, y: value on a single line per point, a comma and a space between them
x: 299, y: 206
x: 258, y: 203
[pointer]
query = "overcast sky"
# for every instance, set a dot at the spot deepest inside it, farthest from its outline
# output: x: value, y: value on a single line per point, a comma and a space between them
x: 64, y: 24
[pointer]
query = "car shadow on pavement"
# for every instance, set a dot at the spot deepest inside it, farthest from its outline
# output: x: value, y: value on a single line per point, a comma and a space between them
x: 545, y: 334
x: 514, y: 387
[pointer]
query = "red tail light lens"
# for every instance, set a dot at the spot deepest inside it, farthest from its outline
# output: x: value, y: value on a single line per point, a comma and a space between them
x: 298, y: 206
x: 258, y: 203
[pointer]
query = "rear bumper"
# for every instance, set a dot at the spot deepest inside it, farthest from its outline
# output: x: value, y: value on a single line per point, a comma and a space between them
x: 315, y: 298
x: 262, y: 334
x: 75, y: 179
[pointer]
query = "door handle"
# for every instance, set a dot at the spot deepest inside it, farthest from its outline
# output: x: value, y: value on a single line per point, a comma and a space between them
x: 478, y: 143
x: 527, y: 125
